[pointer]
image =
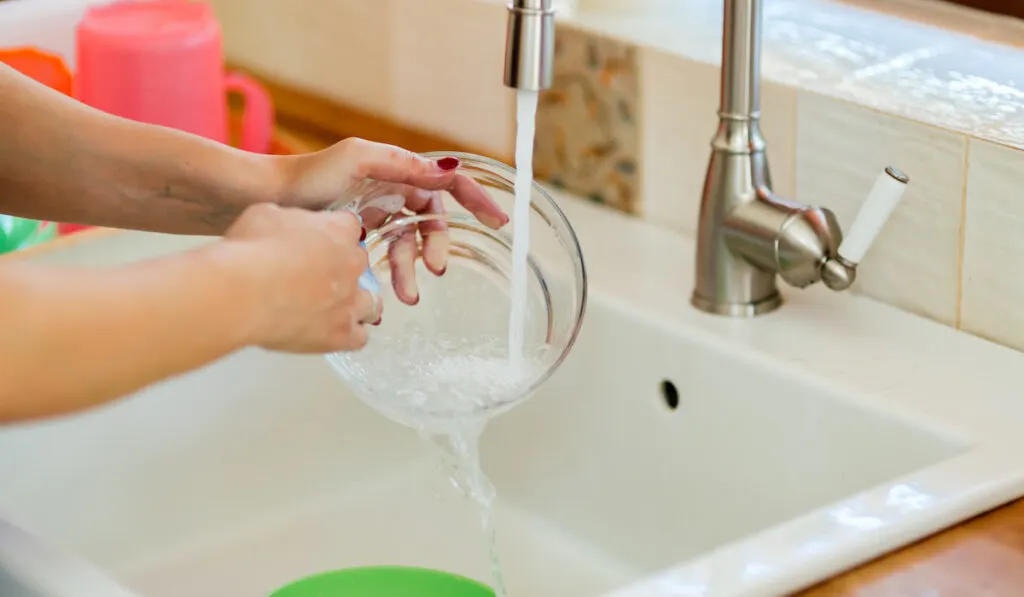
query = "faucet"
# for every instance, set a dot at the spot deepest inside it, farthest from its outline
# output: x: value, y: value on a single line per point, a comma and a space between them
x: 747, y: 235
x: 530, y: 45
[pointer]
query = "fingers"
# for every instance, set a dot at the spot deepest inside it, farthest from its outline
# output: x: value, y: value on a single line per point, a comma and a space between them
x: 349, y: 333
x: 367, y: 307
x: 469, y: 193
x: 472, y: 195
x: 389, y: 163
x: 436, y: 244
x: 377, y: 205
x: 434, y: 232
x: 374, y: 217
x: 402, y: 253
x: 343, y: 226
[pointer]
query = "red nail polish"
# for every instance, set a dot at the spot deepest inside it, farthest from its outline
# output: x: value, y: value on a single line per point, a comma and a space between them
x: 448, y: 164
x: 376, y: 322
x: 362, y: 235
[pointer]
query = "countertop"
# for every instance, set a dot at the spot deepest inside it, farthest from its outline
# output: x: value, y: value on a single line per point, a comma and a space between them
x: 981, y: 557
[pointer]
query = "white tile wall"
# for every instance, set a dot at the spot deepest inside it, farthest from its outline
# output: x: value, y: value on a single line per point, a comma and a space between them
x: 678, y: 108
x: 447, y: 67
x: 45, y: 24
x: 339, y: 49
x: 436, y: 65
x: 993, y: 266
x: 841, y: 148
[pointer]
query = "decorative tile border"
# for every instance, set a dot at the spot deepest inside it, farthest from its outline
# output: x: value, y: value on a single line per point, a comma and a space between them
x: 588, y: 134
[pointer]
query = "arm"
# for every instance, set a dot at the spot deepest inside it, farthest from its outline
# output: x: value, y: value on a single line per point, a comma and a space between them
x: 62, y: 160
x: 71, y: 339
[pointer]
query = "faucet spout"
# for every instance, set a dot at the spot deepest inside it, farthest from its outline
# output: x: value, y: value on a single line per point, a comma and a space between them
x: 530, y: 45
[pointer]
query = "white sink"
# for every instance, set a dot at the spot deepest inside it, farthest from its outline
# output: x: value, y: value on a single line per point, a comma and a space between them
x: 803, y: 443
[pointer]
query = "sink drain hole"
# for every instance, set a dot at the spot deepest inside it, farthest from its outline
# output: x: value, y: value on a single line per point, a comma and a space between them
x: 670, y: 394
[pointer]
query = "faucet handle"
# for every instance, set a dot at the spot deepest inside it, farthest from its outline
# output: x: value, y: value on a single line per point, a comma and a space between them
x: 889, y: 188
x: 839, y: 271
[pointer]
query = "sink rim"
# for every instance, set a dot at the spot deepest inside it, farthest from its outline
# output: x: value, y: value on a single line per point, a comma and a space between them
x: 773, y: 562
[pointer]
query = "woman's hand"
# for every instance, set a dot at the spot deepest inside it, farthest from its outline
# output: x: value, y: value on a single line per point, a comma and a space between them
x: 315, y: 181
x: 305, y: 267
x: 284, y: 279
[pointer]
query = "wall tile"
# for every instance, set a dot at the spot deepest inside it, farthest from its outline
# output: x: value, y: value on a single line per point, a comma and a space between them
x: 447, y: 66
x: 587, y: 124
x: 49, y: 26
x: 297, y: 43
x: 679, y: 104
x: 993, y: 292
x: 841, y: 148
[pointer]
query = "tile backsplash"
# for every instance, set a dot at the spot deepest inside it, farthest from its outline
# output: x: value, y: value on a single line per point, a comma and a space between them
x: 633, y: 111
x: 993, y: 290
x: 588, y: 133
x: 840, y: 150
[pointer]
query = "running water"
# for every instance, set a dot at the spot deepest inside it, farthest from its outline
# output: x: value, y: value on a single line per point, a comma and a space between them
x: 465, y: 442
x: 460, y: 382
x: 462, y: 455
x: 526, y: 115
x: 464, y: 439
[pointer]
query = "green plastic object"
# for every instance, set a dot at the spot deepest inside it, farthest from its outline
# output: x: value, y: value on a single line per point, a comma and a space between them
x: 385, y: 581
x: 21, y: 233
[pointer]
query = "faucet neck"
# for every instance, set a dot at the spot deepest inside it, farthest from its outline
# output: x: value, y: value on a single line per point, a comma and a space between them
x: 741, y: 59
x: 530, y: 5
x: 530, y: 45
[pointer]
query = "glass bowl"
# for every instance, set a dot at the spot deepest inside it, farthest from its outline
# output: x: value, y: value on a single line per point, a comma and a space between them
x: 445, y: 360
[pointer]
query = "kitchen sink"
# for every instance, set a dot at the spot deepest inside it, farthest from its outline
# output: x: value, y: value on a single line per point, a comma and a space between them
x: 674, y: 453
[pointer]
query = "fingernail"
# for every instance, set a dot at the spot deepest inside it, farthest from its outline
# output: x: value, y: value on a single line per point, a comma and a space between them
x: 435, y: 252
x: 493, y: 221
x: 376, y: 322
x: 416, y: 300
x: 448, y: 164
x: 362, y: 235
x: 443, y: 271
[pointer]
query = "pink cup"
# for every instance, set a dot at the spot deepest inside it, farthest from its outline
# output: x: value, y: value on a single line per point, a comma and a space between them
x: 160, y: 61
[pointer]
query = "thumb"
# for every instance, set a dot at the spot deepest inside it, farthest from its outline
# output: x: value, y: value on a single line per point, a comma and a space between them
x: 388, y: 163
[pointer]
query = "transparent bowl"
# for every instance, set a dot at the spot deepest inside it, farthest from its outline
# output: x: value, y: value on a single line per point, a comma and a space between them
x: 445, y: 361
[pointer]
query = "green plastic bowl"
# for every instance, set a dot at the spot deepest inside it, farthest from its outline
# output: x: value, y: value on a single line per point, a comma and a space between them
x: 385, y: 581
x: 21, y: 233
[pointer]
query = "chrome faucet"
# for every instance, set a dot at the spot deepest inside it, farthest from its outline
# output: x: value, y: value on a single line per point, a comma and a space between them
x: 747, y: 236
x: 530, y: 45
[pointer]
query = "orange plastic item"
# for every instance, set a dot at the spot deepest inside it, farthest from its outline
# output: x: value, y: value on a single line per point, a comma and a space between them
x: 49, y: 69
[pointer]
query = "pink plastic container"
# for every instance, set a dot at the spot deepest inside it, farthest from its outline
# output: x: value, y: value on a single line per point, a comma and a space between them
x: 161, y: 62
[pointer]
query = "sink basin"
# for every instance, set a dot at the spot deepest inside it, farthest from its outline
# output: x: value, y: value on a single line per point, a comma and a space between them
x: 674, y: 453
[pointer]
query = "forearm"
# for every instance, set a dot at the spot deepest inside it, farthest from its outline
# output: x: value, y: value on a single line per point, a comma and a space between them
x: 71, y: 339
x: 61, y: 160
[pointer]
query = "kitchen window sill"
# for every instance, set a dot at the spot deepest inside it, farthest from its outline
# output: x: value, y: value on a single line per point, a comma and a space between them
x: 942, y: 65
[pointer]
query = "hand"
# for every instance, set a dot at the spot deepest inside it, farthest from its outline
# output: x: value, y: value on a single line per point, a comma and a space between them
x: 306, y: 268
x: 316, y: 180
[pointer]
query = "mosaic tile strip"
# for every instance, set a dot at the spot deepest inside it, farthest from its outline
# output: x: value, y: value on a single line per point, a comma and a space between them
x: 588, y: 134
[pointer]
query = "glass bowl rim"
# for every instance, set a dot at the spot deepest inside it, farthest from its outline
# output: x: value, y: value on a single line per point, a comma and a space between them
x: 476, y: 162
